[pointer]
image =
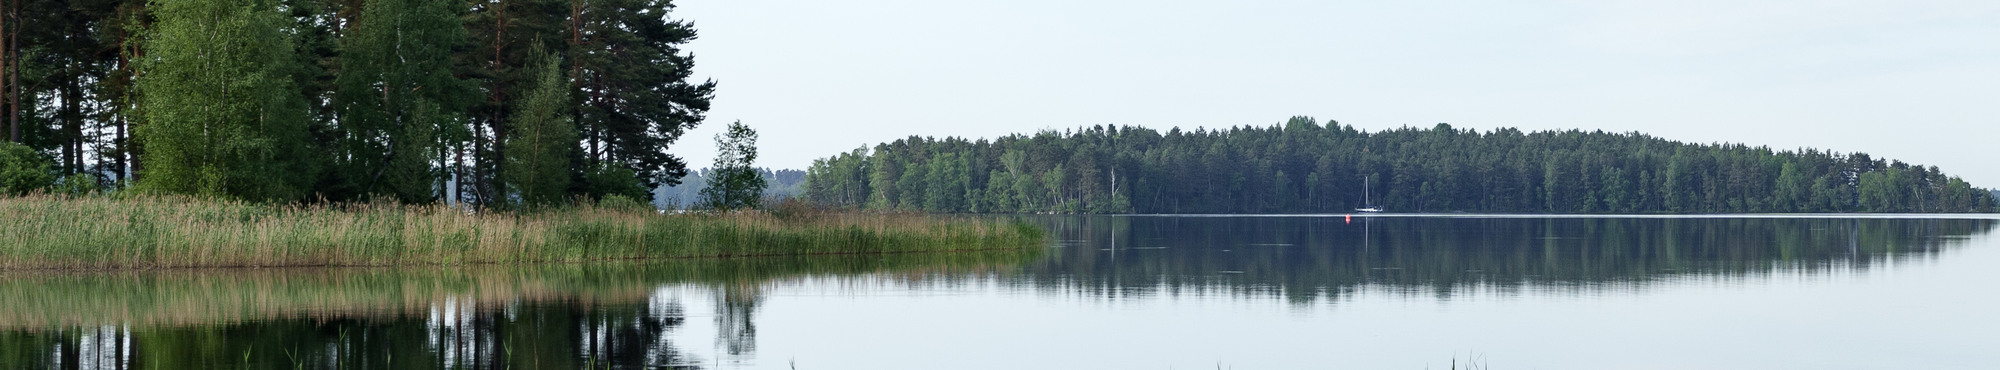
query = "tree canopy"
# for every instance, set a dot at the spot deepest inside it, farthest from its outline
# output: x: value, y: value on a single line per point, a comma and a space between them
x: 343, y: 100
x: 734, y: 183
x: 223, y: 115
x: 1302, y: 166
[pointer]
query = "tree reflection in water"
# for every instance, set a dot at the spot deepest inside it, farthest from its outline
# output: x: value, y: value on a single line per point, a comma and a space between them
x: 602, y: 316
x: 1309, y: 259
x: 615, y: 315
x: 735, y: 317
x: 525, y: 336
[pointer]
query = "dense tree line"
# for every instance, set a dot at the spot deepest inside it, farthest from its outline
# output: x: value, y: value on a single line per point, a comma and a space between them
x: 1302, y: 166
x: 488, y: 102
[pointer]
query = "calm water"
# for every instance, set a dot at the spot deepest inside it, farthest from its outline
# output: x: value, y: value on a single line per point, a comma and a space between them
x: 1109, y: 293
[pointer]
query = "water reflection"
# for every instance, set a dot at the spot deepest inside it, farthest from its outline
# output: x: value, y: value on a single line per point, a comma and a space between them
x: 616, y: 315
x: 600, y: 316
x: 1306, y: 259
x: 735, y: 316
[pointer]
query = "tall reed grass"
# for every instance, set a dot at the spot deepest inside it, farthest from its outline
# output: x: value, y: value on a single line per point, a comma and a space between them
x: 59, y: 232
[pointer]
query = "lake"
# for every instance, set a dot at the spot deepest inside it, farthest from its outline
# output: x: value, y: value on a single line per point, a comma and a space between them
x: 1110, y: 292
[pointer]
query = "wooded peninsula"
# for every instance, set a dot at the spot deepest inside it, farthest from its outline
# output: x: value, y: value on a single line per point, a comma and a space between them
x: 492, y: 104
x: 1302, y: 166
x: 234, y: 133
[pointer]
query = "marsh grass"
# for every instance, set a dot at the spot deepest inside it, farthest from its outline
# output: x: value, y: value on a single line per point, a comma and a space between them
x: 138, y: 232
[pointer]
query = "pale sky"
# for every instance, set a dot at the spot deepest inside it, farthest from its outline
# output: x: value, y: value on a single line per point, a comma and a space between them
x: 1914, y: 80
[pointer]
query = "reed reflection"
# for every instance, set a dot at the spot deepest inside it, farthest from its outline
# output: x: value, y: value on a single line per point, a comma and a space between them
x: 599, y: 316
x: 615, y: 315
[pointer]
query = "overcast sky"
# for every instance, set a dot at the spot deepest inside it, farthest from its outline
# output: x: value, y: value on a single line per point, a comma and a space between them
x: 1914, y: 80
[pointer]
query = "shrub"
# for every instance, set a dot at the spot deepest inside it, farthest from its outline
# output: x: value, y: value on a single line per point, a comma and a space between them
x: 78, y: 184
x: 22, y: 170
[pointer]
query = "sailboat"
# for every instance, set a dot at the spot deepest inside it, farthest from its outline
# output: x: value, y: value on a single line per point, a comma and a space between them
x: 1366, y: 204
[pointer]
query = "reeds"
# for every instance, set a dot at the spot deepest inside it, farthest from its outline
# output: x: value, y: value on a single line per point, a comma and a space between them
x: 57, y: 232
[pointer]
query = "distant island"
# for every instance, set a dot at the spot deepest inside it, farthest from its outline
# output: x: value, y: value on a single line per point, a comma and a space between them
x: 1302, y: 166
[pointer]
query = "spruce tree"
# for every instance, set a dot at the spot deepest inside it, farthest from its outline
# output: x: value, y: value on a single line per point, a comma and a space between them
x: 538, y: 150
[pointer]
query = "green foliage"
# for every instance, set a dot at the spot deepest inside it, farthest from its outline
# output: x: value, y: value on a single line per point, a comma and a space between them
x: 735, y: 183
x: 843, y: 178
x: 400, y: 103
x: 223, y: 115
x: 22, y: 170
x: 539, y: 149
x: 633, y: 85
x: 946, y: 184
x: 78, y: 184
x: 608, y: 180
x: 1304, y: 167
x: 345, y: 100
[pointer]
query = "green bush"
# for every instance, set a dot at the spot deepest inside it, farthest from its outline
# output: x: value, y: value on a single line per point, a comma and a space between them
x: 78, y: 184
x: 614, y: 180
x: 22, y: 170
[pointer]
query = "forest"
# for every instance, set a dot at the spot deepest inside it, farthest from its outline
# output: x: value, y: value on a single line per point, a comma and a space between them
x: 481, y: 102
x: 1301, y: 166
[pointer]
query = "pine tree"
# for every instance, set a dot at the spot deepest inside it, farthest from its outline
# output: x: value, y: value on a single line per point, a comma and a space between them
x: 223, y: 116
x: 633, y: 80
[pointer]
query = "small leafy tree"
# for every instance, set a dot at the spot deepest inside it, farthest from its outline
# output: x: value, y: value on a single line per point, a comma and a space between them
x: 732, y: 183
